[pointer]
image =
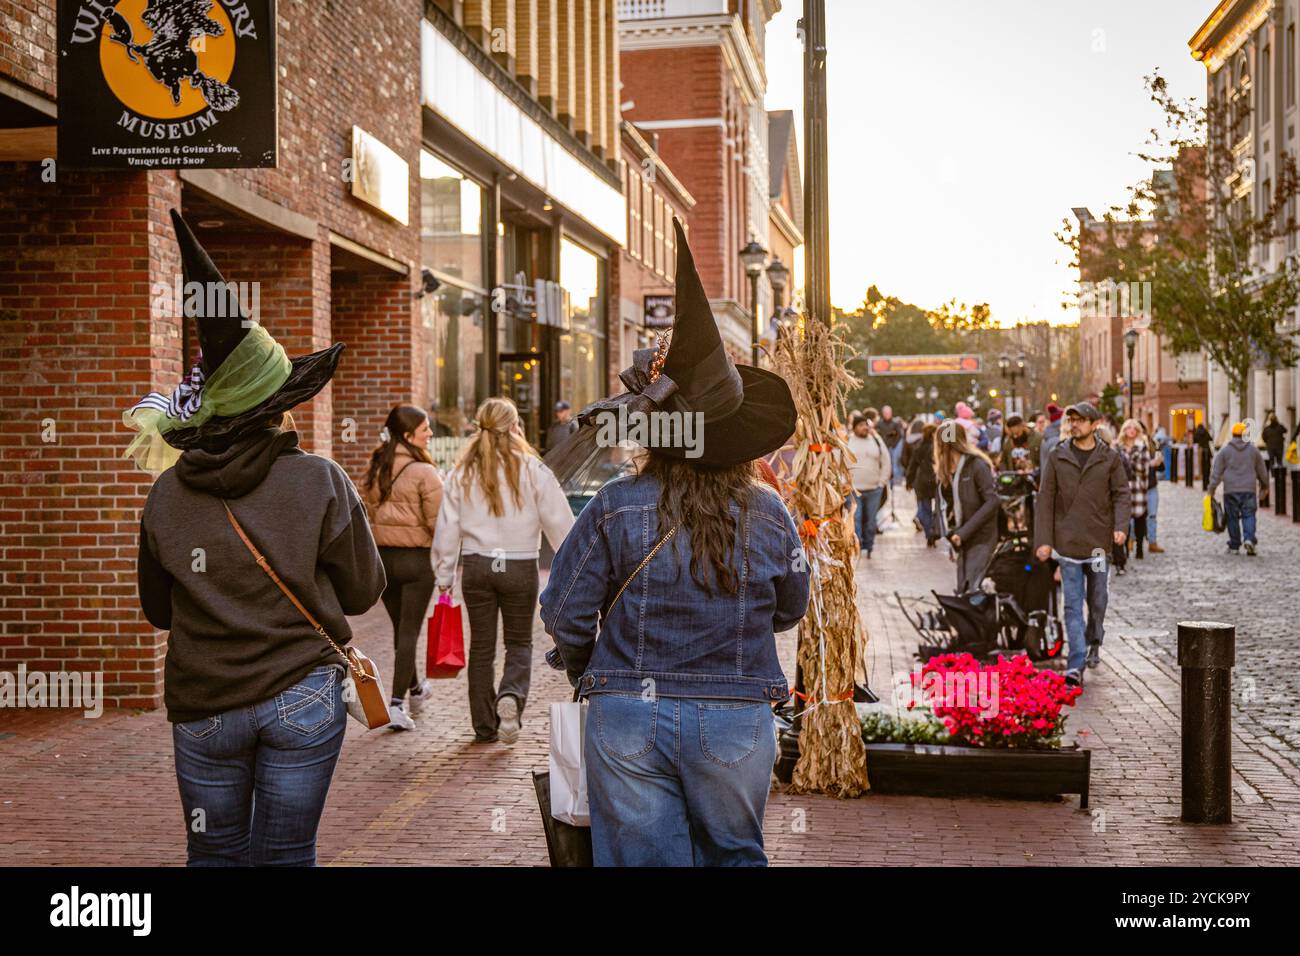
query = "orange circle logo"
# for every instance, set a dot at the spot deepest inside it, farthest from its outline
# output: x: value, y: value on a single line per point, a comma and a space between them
x: 169, y: 63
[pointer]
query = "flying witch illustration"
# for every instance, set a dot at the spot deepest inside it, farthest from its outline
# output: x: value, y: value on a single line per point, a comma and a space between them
x: 167, y: 54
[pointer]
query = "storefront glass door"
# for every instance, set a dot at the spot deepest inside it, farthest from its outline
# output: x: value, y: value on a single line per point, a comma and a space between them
x: 521, y: 382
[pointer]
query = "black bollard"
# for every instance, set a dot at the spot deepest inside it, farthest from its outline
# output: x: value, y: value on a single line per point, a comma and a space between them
x: 1172, y: 476
x: 1279, y: 490
x: 1206, y: 653
x: 1189, y: 460
x: 1295, y: 497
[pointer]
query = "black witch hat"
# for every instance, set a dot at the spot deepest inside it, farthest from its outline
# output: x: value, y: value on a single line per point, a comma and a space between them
x: 219, y: 334
x: 746, y: 412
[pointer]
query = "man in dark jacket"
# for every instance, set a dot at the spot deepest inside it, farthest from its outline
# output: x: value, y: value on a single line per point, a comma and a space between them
x: 1202, y: 440
x: 1240, y: 468
x: 1083, y: 507
x: 1274, y: 435
x: 1019, y: 435
x: 891, y: 430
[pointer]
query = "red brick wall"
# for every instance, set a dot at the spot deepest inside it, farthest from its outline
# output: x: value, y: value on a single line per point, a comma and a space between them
x: 79, y: 343
x: 27, y: 43
x: 381, y: 367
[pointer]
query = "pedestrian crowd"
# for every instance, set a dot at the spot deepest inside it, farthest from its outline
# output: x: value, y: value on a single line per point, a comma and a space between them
x: 1096, y: 482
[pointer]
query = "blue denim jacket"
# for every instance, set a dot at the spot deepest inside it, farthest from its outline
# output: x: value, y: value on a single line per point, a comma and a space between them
x: 666, y: 628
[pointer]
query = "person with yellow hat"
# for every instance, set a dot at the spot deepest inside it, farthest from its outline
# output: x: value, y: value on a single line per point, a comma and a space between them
x: 1240, y: 468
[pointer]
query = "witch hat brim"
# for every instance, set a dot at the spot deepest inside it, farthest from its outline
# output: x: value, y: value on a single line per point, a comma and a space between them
x: 218, y: 336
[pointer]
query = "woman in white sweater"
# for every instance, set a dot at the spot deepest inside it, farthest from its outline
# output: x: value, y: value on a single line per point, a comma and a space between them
x: 495, y: 505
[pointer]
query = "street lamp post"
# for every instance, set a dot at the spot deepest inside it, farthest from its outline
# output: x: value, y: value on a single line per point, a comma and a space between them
x: 777, y: 276
x: 1011, y: 370
x: 1130, y: 346
x: 754, y: 259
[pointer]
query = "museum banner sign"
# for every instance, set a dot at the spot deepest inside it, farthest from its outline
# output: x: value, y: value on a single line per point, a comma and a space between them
x: 167, y: 84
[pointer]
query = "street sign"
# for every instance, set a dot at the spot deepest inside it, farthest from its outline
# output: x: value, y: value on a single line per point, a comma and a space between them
x: 924, y: 365
x: 189, y: 84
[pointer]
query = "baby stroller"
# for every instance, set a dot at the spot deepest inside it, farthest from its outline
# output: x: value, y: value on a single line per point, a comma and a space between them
x: 1018, y: 604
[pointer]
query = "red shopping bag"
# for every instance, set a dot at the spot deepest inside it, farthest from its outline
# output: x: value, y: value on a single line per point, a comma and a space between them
x: 446, y: 655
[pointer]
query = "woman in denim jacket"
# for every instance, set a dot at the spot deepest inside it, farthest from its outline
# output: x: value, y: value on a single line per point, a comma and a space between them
x: 685, y: 572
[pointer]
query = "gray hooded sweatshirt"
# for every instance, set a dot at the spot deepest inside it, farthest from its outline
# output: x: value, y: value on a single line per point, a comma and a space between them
x: 1239, y: 467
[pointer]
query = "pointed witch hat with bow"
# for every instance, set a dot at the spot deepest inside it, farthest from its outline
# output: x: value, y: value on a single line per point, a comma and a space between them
x: 243, y: 381
x: 744, y: 412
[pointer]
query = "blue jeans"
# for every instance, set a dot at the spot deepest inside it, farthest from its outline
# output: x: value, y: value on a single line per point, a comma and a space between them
x: 678, y: 781
x: 1239, y: 512
x: 253, y: 780
x: 868, y: 505
x: 896, y: 459
x: 1153, y: 505
x: 1082, y: 584
x: 925, y: 514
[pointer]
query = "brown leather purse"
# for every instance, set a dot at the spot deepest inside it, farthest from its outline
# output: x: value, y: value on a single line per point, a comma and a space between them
x: 362, y: 688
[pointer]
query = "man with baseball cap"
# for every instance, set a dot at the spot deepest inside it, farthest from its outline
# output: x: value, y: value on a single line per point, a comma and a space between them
x: 1240, y: 468
x: 563, y: 426
x: 1083, y: 507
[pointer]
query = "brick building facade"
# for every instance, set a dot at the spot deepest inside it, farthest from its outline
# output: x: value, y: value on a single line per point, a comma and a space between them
x: 84, y: 253
x: 692, y: 73
x: 646, y: 267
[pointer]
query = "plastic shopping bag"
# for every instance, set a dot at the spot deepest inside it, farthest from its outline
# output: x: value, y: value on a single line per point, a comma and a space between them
x: 446, y: 650
x: 568, y: 775
x: 1212, y: 515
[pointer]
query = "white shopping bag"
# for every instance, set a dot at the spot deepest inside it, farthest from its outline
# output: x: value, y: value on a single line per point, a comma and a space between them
x: 568, y: 775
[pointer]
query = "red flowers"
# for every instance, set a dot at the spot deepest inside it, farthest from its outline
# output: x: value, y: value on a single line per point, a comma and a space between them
x: 1007, y: 704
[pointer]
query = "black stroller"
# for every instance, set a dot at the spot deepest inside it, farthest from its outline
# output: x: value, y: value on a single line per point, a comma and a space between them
x: 1017, y: 607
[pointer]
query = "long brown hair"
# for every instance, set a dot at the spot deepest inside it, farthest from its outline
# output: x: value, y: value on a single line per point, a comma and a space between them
x: 698, y: 499
x: 951, y: 441
x: 402, y: 420
x: 495, y: 447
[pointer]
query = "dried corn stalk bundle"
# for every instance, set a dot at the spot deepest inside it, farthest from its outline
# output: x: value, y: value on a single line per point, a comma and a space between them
x: 832, y: 640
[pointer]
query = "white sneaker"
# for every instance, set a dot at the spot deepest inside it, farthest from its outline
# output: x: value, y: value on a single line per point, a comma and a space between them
x: 401, y: 720
x: 418, y: 697
x: 508, y: 717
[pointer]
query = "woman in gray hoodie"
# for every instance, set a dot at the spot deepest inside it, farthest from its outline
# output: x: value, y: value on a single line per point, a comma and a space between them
x: 253, y: 690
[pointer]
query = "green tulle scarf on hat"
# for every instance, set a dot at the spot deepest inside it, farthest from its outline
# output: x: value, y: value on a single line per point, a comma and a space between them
x: 255, y: 370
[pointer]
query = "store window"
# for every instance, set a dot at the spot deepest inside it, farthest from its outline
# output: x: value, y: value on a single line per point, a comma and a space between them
x: 582, y: 348
x: 452, y: 245
x: 456, y: 370
x: 451, y: 221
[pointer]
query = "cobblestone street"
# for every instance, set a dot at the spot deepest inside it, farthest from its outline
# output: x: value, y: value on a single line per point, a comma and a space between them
x: 99, y: 792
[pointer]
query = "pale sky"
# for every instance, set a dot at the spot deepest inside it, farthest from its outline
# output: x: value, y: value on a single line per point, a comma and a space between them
x: 962, y: 131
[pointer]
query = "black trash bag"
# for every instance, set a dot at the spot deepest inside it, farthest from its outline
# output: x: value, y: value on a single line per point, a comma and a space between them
x: 567, y: 845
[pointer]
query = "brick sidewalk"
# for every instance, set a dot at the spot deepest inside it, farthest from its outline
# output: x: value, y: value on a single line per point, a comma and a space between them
x: 98, y: 792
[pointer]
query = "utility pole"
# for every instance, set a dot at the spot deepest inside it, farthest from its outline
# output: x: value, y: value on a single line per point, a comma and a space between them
x: 817, y: 235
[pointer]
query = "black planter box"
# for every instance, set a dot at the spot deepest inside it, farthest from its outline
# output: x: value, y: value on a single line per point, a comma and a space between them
x: 951, y: 771
x: 948, y: 771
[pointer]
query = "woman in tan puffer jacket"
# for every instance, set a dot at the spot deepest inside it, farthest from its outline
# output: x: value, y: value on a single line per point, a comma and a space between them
x: 403, y: 492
